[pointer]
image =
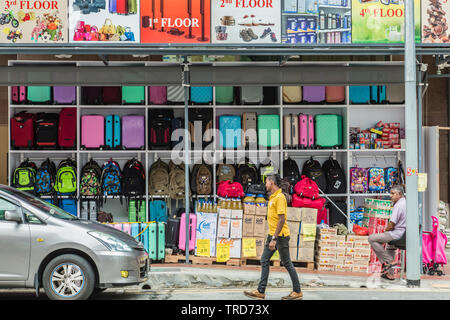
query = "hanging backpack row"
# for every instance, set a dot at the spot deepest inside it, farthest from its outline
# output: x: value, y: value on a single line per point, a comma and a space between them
x: 376, y: 179
x: 43, y: 95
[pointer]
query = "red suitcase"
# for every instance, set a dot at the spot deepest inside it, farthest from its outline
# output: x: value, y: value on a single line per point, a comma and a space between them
x: 22, y: 130
x: 335, y: 94
x: 306, y: 129
x: 18, y: 94
x: 112, y: 95
x: 67, y: 127
x: 121, y: 6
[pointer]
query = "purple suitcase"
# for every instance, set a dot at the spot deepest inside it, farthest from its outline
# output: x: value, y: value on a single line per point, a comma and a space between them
x: 314, y: 94
x: 64, y: 95
x: 92, y: 131
x: 306, y: 130
x: 157, y: 95
x: 133, y: 132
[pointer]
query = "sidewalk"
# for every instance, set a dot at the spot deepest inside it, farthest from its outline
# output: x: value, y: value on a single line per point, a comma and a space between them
x: 213, y: 276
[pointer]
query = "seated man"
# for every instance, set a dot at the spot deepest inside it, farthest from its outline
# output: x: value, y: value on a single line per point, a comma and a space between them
x: 394, y: 231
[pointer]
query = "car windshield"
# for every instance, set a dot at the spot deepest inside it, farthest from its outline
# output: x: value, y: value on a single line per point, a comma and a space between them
x: 44, y: 206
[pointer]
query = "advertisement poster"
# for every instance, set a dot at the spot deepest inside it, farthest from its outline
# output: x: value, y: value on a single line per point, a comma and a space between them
x: 381, y: 21
x: 37, y: 21
x: 434, y: 21
x: 316, y: 21
x: 94, y: 21
x: 175, y: 21
x: 246, y: 22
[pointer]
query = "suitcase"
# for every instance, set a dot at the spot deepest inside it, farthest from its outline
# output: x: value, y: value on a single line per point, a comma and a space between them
x: 224, y: 95
x: 67, y: 128
x: 92, y: 95
x: 249, y: 127
x: 157, y: 241
x: 137, y: 211
x: 192, y: 232
x: 360, y: 94
x: 157, y: 95
x: 177, y: 136
x: 18, y: 94
x: 395, y: 93
x: 157, y: 210
x: 175, y: 94
x: 251, y: 95
x: 269, y: 130
x: 22, y: 130
x: 291, y: 133
x: 314, y: 94
x: 92, y: 131
x: 335, y: 94
x: 230, y: 132
x: 47, y: 130
x: 88, y: 210
x: 132, y: 7
x: 205, y: 116
x: 133, y: 132
x: 378, y: 94
x: 141, y: 232
x: 172, y: 233
x: 65, y: 95
x: 69, y: 205
x: 328, y: 130
x: 39, y: 94
x: 112, y: 6
x: 292, y: 94
x: 121, y: 6
x: 112, y: 132
x: 133, y: 95
x: 201, y: 95
x: 270, y: 96
x: 335, y: 215
x: 306, y: 131
x: 112, y: 95
x: 160, y: 123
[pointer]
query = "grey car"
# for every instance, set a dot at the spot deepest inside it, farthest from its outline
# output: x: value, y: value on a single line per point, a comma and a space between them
x: 42, y: 246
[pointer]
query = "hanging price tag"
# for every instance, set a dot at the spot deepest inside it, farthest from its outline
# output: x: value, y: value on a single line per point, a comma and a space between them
x: 249, y: 247
x: 203, y: 248
x: 276, y: 256
x: 223, y: 252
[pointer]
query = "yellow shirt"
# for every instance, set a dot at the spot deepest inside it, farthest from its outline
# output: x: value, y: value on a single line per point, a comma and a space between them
x: 277, y: 206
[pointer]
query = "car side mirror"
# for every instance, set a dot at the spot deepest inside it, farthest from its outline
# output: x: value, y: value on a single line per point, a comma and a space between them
x: 13, y: 216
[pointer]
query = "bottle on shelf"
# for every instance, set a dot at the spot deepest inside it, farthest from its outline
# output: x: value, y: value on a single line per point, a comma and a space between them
x: 322, y: 20
x: 249, y: 199
x: 261, y: 201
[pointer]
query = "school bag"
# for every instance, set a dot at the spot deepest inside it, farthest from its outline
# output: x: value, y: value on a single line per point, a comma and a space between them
x: 200, y: 119
x: 306, y: 188
x: 265, y: 170
x: 291, y: 171
x: 90, y: 179
x: 177, y: 181
x: 160, y: 121
x: 201, y: 182
x: 376, y: 179
x: 225, y: 172
x: 158, y: 184
x: 335, y: 177
x: 390, y: 178
x: 24, y: 176
x: 313, y: 170
x: 358, y: 180
x: 247, y: 174
x: 133, y: 179
x: 111, y: 180
x: 66, y: 177
x: 45, y: 178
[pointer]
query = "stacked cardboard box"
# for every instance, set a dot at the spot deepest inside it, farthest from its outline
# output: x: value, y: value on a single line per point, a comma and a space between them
x: 254, y: 226
x: 307, y: 236
x: 230, y: 230
x: 207, y: 229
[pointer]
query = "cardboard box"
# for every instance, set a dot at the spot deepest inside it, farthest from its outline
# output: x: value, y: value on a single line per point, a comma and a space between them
x: 235, y: 246
x: 349, y: 255
x: 327, y: 231
x: 327, y: 243
x: 326, y: 255
x: 348, y: 262
x: 223, y: 228
x: 362, y: 269
x: 249, y: 209
x: 206, y: 225
x: 311, y: 227
x: 237, y: 214
x: 362, y: 256
x: 294, y: 214
x: 328, y: 237
x: 340, y: 238
x: 294, y: 227
x: 248, y: 225
x: 236, y: 228
x: 212, y: 246
x: 343, y: 268
x: 259, y: 229
x: 325, y: 267
x: 224, y: 213
x: 358, y: 262
x: 260, y: 242
x: 362, y: 250
x: 345, y: 244
x: 293, y: 253
x: 327, y: 249
x: 305, y: 254
x: 331, y: 261
x: 306, y: 244
x: 293, y: 241
x: 354, y: 237
x: 309, y: 215
x: 362, y: 244
x: 340, y: 250
x: 261, y: 211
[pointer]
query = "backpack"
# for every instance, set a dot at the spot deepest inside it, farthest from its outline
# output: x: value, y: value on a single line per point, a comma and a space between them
x: 247, y: 174
x: 225, y: 172
x: 158, y: 183
x: 307, y: 188
x: 228, y: 189
x: 24, y: 176
x: 256, y: 189
x: 265, y: 170
x: 335, y: 177
x: 177, y: 182
x: 66, y: 177
x: 133, y: 179
x: 286, y: 189
x: 90, y: 179
x: 160, y: 121
x: 45, y: 178
x: 390, y: 178
x: 201, y: 179
x: 291, y: 171
x: 111, y: 180
x: 205, y: 116
x: 376, y: 180
x: 313, y: 170
x: 358, y: 180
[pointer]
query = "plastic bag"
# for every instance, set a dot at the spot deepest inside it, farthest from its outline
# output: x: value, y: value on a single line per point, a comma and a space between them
x: 360, y: 231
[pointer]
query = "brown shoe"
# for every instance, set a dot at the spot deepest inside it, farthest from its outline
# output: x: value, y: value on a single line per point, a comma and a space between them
x: 252, y: 34
x: 255, y: 294
x: 293, y: 296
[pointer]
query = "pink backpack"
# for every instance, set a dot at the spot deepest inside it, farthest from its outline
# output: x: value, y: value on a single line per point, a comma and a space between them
x: 228, y: 189
x: 358, y: 180
x: 307, y: 188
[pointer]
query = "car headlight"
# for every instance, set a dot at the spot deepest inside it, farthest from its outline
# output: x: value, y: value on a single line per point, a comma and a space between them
x: 110, y: 242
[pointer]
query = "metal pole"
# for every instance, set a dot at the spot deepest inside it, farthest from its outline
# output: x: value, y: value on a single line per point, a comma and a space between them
x: 186, y: 84
x: 420, y: 153
x: 412, y: 201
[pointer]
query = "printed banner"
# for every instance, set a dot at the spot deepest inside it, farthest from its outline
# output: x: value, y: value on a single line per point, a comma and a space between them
x: 434, y: 21
x: 381, y: 21
x: 34, y: 21
x: 245, y: 21
x: 176, y: 21
x: 92, y: 21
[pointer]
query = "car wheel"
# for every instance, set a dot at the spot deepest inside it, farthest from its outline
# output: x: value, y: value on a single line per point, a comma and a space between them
x: 68, y: 277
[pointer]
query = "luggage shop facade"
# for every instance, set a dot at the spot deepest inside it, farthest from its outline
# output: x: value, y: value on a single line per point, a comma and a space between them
x: 102, y: 91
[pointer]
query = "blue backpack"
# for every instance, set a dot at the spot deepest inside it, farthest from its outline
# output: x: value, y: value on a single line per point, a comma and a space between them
x: 45, y: 178
x: 111, y: 181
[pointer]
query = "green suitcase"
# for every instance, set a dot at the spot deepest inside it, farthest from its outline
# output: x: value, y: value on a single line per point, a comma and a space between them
x: 132, y: 6
x: 157, y: 241
x: 39, y: 94
x: 328, y: 130
x: 224, y: 95
x: 137, y: 211
x: 269, y: 130
x: 133, y: 95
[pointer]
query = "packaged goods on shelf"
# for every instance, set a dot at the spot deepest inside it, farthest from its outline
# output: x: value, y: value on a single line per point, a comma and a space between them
x: 235, y: 246
x: 381, y: 136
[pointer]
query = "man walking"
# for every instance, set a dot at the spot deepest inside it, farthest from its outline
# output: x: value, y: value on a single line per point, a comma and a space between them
x: 394, y: 231
x: 278, y: 238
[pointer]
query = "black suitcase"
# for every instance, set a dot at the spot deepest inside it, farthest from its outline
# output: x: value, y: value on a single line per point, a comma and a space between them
x: 270, y: 96
x: 335, y: 215
x: 47, y: 130
x: 172, y: 233
x: 92, y: 95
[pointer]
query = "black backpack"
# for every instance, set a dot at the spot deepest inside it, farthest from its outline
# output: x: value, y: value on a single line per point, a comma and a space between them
x: 291, y: 171
x: 313, y: 170
x: 335, y: 177
x: 133, y: 183
x: 247, y: 174
x: 205, y: 116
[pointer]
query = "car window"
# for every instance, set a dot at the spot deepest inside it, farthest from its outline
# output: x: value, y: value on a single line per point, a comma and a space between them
x: 31, y: 218
x: 6, y: 206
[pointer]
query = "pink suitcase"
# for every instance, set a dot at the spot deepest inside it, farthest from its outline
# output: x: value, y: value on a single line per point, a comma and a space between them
x: 306, y: 128
x: 18, y: 94
x: 133, y: 132
x: 92, y: 131
x: 192, y: 232
x: 126, y: 227
x: 117, y: 226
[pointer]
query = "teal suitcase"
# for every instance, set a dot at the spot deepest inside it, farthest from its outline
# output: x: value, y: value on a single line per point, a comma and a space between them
x: 39, y: 94
x: 328, y: 130
x: 137, y: 211
x: 269, y: 130
x: 157, y: 241
x: 133, y: 95
x: 141, y: 231
x: 224, y: 95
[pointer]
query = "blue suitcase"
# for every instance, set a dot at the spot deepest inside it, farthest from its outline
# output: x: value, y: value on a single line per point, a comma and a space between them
x: 230, y: 131
x: 69, y: 205
x: 140, y: 232
x: 157, y: 241
x: 378, y: 94
x: 360, y: 94
x: 113, y: 131
x: 202, y: 95
x: 158, y: 211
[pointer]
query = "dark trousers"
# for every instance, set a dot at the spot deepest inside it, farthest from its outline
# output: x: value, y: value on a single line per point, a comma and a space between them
x: 283, y: 248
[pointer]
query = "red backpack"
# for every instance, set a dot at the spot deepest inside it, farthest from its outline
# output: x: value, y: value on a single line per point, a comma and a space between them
x: 307, y: 188
x: 228, y: 189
